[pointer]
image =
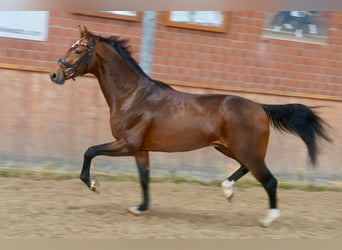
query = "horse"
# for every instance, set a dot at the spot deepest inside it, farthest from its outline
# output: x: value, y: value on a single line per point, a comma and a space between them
x: 149, y: 115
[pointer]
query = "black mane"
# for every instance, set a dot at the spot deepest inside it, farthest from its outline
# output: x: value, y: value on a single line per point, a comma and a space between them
x: 122, y: 48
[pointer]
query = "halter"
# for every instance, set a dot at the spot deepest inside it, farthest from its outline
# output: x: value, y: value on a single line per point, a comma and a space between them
x: 70, y: 69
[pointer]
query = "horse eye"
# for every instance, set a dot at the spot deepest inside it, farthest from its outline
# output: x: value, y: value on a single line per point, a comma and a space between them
x: 78, y: 51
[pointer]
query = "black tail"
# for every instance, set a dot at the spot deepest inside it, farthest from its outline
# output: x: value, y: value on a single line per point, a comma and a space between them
x: 299, y: 120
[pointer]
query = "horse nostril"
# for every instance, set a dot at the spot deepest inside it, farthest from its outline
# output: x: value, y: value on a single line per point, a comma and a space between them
x: 57, y: 78
x: 53, y: 76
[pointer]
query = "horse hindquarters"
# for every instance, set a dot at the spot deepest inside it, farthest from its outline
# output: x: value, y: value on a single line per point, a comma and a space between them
x: 246, y: 135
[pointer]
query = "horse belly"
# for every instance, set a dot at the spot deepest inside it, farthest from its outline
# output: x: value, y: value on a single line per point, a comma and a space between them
x: 176, y: 139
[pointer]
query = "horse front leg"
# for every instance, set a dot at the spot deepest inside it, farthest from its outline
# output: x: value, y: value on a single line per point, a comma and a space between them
x: 142, y: 160
x: 116, y: 148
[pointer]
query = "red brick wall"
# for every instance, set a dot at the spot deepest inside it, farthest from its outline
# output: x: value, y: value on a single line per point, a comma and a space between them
x: 238, y: 60
x: 45, y: 125
x: 63, y: 31
x: 242, y: 59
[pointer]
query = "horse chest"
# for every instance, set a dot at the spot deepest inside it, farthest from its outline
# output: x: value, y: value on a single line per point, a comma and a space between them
x: 124, y: 125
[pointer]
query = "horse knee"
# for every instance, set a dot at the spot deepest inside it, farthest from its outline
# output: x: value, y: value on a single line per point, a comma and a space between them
x: 90, y: 153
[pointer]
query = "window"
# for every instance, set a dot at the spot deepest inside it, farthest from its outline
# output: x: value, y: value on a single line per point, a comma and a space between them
x: 214, y: 21
x: 123, y: 15
x: 31, y: 25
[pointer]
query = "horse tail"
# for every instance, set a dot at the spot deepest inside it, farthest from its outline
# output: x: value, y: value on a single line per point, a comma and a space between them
x: 300, y: 120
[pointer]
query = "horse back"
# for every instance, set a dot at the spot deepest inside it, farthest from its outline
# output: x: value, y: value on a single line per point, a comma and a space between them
x: 183, y: 122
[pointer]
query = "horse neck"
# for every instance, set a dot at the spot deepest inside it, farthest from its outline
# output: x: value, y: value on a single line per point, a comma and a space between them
x: 118, y: 80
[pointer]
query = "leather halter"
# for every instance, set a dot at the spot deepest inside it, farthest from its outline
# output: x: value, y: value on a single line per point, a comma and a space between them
x: 71, y: 69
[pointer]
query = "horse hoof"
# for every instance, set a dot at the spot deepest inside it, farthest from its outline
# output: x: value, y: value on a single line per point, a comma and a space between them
x: 94, y: 186
x: 265, y: 223
x: 134, y: 210
x: 230, y: 198
x: 272, y: 215
x: 227, y: 188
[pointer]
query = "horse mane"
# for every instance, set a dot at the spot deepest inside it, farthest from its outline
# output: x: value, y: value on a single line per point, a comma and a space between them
x: 122, y: 47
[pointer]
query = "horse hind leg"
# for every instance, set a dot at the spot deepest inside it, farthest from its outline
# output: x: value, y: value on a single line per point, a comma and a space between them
x: 263, y: 175
x: 227, y: 185
x: 269, y: 182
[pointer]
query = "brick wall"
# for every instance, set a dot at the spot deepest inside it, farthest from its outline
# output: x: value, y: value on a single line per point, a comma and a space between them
x: 243, y: 60
x: 47, y: 126
x: 239, y: 60
x: 63, y: 31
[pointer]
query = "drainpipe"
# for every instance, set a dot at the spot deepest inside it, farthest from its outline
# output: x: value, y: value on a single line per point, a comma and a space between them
x: 147, y: 41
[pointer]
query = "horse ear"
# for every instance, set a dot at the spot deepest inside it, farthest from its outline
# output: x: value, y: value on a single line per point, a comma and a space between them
x: 84, y: 31
x: 81, y: 30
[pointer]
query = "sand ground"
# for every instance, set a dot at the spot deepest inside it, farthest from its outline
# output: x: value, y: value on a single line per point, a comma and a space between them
x: 67, y: 209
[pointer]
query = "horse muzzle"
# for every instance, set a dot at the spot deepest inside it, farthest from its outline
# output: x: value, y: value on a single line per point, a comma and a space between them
x: 57, y: 77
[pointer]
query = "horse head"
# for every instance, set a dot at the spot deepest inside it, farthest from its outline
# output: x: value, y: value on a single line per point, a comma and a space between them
x: 77, y: 60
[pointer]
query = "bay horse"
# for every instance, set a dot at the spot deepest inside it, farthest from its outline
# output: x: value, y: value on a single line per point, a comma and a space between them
x: 149, y: 115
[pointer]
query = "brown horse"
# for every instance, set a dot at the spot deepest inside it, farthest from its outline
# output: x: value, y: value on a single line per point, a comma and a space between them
x: 148, y: 115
